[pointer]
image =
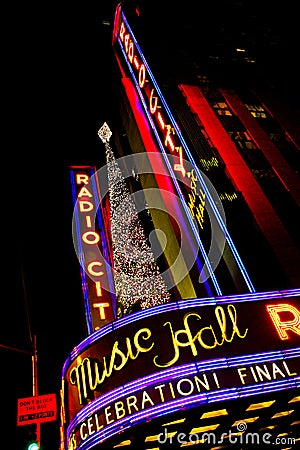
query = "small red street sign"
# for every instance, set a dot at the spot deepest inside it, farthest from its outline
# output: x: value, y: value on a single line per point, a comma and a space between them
x: 36, y: 409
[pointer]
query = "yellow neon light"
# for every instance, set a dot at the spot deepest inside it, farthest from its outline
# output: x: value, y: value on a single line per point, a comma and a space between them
x: 222, y: 324
x: 122, y: 444
x: 198, y: 441
x: 205, y: 428
x: 217, y: 448
x: 101, y: 307
x: 260, y: 405
x: 283, y: 325
x: 282, y: 414
x: 209, y: 414
x: 248, y: 420
x: 174, y: 423
x: 295, y: 399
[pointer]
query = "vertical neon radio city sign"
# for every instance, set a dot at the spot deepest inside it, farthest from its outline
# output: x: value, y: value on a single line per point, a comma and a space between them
x: 91, y: 245
x: 170, y: 141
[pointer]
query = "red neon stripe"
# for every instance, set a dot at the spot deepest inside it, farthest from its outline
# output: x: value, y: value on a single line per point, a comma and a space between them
x: 164, y: 181
x: 285, y: 173
x: 265, y: 215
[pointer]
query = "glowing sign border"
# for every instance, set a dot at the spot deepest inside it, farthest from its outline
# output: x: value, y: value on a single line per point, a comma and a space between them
x: 89, y: 171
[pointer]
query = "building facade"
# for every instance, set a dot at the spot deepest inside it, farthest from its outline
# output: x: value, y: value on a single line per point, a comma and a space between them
x: 191, y: 265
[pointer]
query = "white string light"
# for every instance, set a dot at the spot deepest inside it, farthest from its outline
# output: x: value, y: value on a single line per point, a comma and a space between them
x: 136, y: 274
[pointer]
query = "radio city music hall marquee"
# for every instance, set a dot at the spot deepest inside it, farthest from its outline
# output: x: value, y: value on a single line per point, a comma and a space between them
x: 183, y: 353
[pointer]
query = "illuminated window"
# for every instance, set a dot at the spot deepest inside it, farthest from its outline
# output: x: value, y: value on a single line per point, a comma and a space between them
x: 254, y: 107
x: 221, y: 109
x: 223, y: 112
x: 257, y: 111
x: 220, y: 105
x: 242, y: 139
x: 257, y: 114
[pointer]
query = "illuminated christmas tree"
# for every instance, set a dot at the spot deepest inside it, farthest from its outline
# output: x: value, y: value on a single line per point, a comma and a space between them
x: 138, y: 281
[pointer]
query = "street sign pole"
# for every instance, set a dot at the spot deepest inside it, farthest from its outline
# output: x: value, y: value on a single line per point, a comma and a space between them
x: 35, y: 386
x: 36, y: 409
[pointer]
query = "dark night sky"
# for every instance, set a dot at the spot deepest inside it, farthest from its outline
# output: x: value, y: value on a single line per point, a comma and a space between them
x: 59, y: 93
